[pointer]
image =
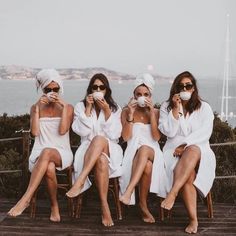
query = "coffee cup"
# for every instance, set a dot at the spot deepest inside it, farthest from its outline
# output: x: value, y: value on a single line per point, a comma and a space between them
x: 49, y: 96
x: 185, y: 95
x: 98, y: 95
x: 141, y: 101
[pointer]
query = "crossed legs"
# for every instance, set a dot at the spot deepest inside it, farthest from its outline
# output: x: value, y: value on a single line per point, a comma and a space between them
x: 48, y: 155
x: 184, y: 175
x: 94, y: 157
x: 141, y: 172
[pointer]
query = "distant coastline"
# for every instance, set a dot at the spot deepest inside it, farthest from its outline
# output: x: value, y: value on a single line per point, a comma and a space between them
x: 14, y: 72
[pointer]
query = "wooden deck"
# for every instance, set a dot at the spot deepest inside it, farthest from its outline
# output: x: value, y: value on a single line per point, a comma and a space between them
x: 223, y: 223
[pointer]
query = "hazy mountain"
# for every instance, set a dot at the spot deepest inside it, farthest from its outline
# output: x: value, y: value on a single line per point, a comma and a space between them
x: 14, y: 72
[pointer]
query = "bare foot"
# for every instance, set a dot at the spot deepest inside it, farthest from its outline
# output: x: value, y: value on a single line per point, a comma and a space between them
x: 106, y: 215
x: 75, y: 190
x: 125, y: 198
x: 192, y: 227
x: 169, y: 201
x: 18, y: 208
x: 146, y: 214
x: 55, y: 214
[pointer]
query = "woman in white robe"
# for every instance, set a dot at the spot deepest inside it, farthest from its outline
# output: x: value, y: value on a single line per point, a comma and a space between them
x: 50, y: 121
x: 187, y: 121
x: 143, y: 160
x: 97, y: 122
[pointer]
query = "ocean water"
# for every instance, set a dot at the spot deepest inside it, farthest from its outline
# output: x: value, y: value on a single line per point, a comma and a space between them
x: 16, y: 97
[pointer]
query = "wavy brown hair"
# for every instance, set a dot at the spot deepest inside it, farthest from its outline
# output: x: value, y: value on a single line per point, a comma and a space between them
x: 195, y: 101
x: 112, y: 104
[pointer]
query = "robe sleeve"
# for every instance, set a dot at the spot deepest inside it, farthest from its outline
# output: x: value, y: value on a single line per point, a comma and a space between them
x: 82, y: 124
x: 112, y: 126
x: 168, y: 125
x: 203, y: 133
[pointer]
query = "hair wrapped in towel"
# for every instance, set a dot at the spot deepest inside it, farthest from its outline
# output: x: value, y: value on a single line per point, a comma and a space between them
x: 145, y: 79
x: 46, y: 76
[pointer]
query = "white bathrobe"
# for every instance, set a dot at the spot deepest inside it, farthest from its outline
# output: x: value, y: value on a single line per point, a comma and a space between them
x: 141, y: 135
x: 89, y: 127
x: 194, y: 129
x: 49, y: 137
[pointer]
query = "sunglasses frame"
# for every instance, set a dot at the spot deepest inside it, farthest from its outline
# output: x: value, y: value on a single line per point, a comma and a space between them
x: 186, y: 86
x: 48, y: 90
x: 101, y: 87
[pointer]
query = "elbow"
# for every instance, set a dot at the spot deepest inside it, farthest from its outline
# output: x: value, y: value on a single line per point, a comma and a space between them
x: 63, y: 131
x: 34, y: 133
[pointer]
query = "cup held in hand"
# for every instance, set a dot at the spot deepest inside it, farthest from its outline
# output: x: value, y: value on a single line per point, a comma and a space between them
x: 98, y: 95
x: 141, y: 101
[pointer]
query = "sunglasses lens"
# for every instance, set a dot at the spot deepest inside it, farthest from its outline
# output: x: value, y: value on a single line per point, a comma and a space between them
x: 101, y: 87
x: 189, y: 86
x: 48, y: 90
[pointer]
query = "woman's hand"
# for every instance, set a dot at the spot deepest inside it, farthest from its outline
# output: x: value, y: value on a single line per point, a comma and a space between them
x: 132, y: 105
x: 176, y: 100
x: 102, y: 104
x: 89, y: 100
x: 179, y: 150
x: 43, y: 99
x: 149, y: 104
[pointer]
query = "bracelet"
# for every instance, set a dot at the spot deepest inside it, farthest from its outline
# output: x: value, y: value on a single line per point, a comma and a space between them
x: 130, y: 121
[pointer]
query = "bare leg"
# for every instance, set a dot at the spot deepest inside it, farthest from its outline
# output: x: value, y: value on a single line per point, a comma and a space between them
x: 52, y: 190
x: 183, y: 170
x: 144, y: 185
x: 102, y: 182
x: 144, y: 154
x: 47, y: 155
x: 98, y: 145
x: 189, y: 195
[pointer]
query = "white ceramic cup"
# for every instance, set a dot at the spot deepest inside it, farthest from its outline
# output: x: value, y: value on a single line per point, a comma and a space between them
x: 141, y: 101
x: 185, y: 95
x: 98, y: 95
x: 49, y: 96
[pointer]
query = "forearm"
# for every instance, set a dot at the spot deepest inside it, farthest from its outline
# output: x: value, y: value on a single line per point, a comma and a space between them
x: 34, y: 120
x: 154, y: 127
x: 65, y: 120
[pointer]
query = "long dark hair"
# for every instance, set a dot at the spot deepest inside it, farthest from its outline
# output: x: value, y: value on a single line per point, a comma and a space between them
x: 195, y: 101
x: 112, y: 104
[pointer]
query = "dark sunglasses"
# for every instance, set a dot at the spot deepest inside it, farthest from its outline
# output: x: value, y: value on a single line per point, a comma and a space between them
x: 101, y: 87
x: 48, y: 90
x: 187, y: 86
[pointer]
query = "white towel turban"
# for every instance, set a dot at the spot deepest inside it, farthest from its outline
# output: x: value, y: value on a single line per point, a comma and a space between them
x: 145, y: 79
x: 46, y: 76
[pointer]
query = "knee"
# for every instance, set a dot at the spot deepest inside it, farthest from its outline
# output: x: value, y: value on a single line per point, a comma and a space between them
x: 45, y: 154
x: 194, y: 149
x: 50, y: 173
x: 98, y: 139
x: 102, y: 163
x: 145, y: 151
x: 148, y: 168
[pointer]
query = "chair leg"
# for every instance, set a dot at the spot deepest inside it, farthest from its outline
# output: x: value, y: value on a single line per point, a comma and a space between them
x: 78, y: 206
x: 161, y: 211
x: 209, y: 205
x: 116, y: 197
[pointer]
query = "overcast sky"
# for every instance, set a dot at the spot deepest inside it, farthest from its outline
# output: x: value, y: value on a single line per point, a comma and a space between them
x: 166, y: 36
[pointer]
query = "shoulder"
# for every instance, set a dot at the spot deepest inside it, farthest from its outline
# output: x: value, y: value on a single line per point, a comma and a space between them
x: 79, y: 105
x: 164, y: 105
x: 205, y: 106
